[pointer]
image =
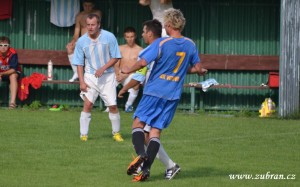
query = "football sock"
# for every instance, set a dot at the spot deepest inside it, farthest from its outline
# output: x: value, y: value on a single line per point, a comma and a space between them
x: 164, y: 157
x: 138, y: 139
x: 152, y: 150
x: 132, y: 96
x: 115, y: 122
x: 84, y: 121
x: 74, y: 68
x: 70, y: 57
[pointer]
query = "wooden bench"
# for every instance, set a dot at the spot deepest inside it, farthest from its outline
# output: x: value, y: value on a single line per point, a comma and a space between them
x: 234, y: 63
x: 209, y: 61
x: 240, y: 62
x: 42, y: 57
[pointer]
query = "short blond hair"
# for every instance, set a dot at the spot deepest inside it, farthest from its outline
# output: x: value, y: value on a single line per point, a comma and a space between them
x: 175, y: 18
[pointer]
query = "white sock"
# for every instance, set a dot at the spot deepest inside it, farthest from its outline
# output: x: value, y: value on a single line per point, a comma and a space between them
x: 115, y: 122
x: 70, y: 57
x: 84, y: 121
x: 74, y: 68
x: 132, y: 96
x: 164, y: 158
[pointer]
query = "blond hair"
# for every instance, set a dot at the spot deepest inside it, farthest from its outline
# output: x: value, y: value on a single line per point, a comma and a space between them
x: 175, y: 18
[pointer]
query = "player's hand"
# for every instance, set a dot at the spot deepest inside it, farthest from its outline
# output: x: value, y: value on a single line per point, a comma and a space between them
x: 84, y: 87
x: 70, y: 47
x: 121, y: 92
x: 202, y: 72
x: 99, y: 72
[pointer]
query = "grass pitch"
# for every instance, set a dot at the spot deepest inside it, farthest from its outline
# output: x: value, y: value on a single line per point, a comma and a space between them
x: 42, y: 148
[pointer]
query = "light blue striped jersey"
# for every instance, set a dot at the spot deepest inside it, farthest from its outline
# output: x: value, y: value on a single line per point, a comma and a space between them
x: 93, y: 54
x: 63, y: 12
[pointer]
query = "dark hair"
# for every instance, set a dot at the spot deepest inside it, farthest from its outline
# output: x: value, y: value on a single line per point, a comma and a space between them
x: 91, y: 16
x: 154, y: 26
x: 129, y: 29
x: 4, y: 39
x: 89, y: 1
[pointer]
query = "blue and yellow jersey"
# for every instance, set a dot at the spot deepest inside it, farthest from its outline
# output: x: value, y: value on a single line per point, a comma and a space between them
x: 172, y: 57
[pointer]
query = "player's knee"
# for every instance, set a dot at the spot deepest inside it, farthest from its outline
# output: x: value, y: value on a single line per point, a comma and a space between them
x: 113, y: 109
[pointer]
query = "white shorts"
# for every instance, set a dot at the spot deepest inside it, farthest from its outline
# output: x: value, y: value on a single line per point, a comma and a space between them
x: 103, y: 86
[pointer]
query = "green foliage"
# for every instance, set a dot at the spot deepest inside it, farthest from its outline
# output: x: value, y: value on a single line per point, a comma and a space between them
x: 65, y: 107
x: 35, y: 105
x: 42, y: 148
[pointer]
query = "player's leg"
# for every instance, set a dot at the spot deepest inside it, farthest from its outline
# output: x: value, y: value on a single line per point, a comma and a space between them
x: 171, y: 167
x: 89, y: 98
x: 162, y: 156
x: 114, y: 117
x: 152, y: 149
x: 13, y: 86
x: 108, y: 94
x: 133, y: 93
x: 138, y: 139
x: 85, y: 118
x: 160, y: 120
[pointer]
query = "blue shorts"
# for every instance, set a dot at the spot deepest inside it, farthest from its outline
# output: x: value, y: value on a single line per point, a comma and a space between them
x: 6, y: 77
x: 157, y: 112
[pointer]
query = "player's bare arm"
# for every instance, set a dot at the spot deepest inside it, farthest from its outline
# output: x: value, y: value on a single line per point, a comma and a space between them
x: 83, y: 86
x: 140, y: 64
x: 198, y: 69
x: 132, y: 83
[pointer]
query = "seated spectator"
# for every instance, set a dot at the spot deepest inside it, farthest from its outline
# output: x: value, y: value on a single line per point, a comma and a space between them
x: 9, y: 68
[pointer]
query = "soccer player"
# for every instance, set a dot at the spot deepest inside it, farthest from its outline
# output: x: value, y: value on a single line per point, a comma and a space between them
x: 130, y: 52
x: 173, y: 57
x: 151, y: 32
x: 97, y: 51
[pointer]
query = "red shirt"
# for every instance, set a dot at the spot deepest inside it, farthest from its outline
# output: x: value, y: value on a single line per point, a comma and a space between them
x: 9, y: 61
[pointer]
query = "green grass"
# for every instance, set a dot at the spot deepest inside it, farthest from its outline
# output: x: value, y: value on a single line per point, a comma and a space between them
x: 42, y: 148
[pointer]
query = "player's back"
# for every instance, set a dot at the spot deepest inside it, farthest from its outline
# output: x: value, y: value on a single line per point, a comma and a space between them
x: 169, y: 71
